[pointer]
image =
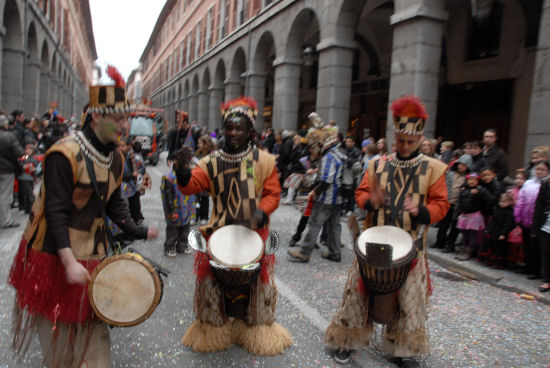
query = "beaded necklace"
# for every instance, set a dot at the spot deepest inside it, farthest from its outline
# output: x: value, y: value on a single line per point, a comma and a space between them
x: 91, y: 152
x: 237, y: 157
x: 406, y: 163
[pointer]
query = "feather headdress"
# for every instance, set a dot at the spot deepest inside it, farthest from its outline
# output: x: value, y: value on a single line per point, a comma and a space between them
x: 243, y: 105
x: 409, y: 115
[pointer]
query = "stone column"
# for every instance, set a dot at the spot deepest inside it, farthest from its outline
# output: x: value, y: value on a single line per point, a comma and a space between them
x: 538, y: 129
x: 203, y: 106
x: 53, y: 94
x: 286, y: 93
x: 12, y: 78
x: 232, y: 89
x: 334, y: 81
x: 417, y: 32
x: 2, y: 34
x: 256, y: 89
x: 32, y: 88
x: 193, y: 107
x: 44, y: 91
x: 215, y: 100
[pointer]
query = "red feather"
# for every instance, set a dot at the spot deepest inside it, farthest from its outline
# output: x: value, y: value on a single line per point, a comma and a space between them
x: 241, y: 101
x: 113, y: 73
x: 409, y: 106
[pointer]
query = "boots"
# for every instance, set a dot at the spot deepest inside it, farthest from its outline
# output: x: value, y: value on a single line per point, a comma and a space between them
x: 465, y: 255
x: 289, y: 196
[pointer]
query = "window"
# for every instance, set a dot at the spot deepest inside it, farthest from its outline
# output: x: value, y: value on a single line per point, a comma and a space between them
x: 484, y: 35
x: 181, y: 65
x: 198, y: 37
x: 209, y: 21
x: 222, y: 19
x: 188, y: 51
x: 240, y: 12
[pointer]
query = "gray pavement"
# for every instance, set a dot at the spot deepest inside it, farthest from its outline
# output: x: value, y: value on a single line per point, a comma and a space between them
x: 474, y: 321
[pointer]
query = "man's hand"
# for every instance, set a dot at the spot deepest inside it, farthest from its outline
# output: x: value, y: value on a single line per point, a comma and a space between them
x: 377, y: 197
x: 410, y: 206
x: 152, y: 233
x: 259, y: 219
x: 474, y: 191
x: 77, y: 274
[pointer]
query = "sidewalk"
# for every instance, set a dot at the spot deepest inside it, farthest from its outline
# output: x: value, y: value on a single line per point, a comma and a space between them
x: 472, y: 269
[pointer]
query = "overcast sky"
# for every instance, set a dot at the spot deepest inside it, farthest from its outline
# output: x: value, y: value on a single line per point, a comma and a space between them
x: 122, y: 29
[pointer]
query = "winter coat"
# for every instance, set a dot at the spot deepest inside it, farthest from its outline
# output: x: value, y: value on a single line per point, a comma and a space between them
x: 353, y: 155
x: 542, y: 206
x: 494, y: 189
x: 469, y: 202
x: 525, y: 206
x: 10, y: 152
x: 479, y: 163
x: 496, y: 158
x: 502, y: 222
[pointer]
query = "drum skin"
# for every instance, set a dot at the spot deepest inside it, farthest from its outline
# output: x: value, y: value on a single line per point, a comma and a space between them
x: 124, y: 290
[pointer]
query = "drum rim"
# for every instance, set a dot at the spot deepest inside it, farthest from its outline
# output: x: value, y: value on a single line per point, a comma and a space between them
x: 362, y: 258
x: 156, y: 280
x: 232, y: 266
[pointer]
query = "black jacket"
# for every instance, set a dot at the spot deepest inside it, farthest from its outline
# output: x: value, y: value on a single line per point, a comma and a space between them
x: 10, y: 151
x: 176, y: 140
x: 502, y: 222
x: 542, y: 207
x: 493, y: 191
x: 496, y: 158
x: 479, y: 163
x: 469, y: 202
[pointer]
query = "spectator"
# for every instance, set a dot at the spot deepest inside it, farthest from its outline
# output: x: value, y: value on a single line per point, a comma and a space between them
x: 269, y: 139
x: 29, y: 136
x: 10, y: 152
x: 30, y: 171
x: 296, y: 170
x: 538, y: 155
x: 495, y: 156
x: 284, y: 154
x: 382, y: 146
x: 498, y: 229
x: 541, y: 224
x: 446, y: 151
x: 519, y: 179
x: 454, y: 179
x: 352, y: 166
x: 18, y: 127
x: 470, y: 220
x: 184, y: 134
x: 371, y: 153
x: 479, y: 161
x: 524, y: 215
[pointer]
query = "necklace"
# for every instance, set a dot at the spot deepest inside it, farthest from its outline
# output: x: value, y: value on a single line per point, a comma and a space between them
x: 406, y: 163
x: 232, y: 158
x: 91, y: 152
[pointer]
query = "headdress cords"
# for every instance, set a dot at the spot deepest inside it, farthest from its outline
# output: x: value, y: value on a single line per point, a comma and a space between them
x: 246, y: 106
x: 321, y: 137
x: 109, y: 99
x: 409, y: 115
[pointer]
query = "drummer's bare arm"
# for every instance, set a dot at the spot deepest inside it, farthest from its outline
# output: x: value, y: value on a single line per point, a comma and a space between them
x: 271, y: 193
x: 75, y: 272
x: 437, y: 203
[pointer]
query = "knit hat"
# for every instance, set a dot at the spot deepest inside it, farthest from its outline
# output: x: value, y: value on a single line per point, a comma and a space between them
x: 472, y: 175
x: 409, y: 116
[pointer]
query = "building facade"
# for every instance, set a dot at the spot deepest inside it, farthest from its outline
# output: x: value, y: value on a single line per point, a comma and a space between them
x: 47, y: 51
x: 476, y: 64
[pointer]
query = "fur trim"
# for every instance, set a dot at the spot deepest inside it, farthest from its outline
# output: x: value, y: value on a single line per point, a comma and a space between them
x: 261, y: 339
x: 204, y: 337
x: 338, y: 336
x: 401, y: 344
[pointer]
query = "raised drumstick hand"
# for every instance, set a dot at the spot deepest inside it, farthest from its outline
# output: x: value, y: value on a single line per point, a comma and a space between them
x: 410, y: 206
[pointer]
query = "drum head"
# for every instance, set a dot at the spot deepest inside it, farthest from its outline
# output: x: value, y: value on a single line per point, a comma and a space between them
x: 399, y: 239
x: 235, y: 246
x: 124, y: 290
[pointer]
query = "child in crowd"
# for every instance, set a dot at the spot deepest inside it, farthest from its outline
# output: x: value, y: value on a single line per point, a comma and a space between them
x: 516, y: 250
x: 455, y: 179
x: 519, y: 179
x: 470, y: 221
x: 493, y: 190
x: 178, y: 211
x: 502, y: 222
x: 31, y: 171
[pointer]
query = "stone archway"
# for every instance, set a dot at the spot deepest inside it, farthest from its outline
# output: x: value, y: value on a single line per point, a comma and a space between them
x: 13, y: 56
x: 45, y: 76
x: 193, y: 99
x: 292, y: 104
x: 186, y: 95
x: 32, y: 74
x: 217, y: 95
x: 261, y: 78
x: 203, y: 99
x: 234, y: 85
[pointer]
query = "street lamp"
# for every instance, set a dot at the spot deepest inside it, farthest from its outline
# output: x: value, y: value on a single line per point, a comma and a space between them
x: 481, y: 9
x: 308, y: 55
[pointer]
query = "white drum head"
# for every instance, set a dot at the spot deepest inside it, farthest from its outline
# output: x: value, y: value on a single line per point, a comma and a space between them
x: 235, y: 246
x: 124, y: 291
x: 399, y: 239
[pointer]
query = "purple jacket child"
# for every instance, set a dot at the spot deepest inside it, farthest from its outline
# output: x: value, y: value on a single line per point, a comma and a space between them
x: 525, y: 206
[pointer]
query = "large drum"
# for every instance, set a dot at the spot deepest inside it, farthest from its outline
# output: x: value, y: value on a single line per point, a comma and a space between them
x: 384, y: 254
x: 124, y: 290
x: 235, y: 252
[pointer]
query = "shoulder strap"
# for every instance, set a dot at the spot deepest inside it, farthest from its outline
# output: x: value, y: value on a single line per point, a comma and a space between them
x: 110, y: 237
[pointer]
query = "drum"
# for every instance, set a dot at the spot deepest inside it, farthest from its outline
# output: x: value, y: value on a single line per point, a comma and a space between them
x: 235, y: 252
x: 124, y: 290
x: 384, y: 255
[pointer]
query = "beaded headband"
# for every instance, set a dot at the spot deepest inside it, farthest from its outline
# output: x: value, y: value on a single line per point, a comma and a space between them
x: 243, y: 105
x: 409, y: 116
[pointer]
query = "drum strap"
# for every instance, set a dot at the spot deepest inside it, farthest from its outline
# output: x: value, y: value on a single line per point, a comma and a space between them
x: 108, y: 232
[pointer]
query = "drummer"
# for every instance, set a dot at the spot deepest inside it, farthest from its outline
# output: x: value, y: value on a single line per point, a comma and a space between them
x: 406, y: 189
x: 245, y: 189
x: 65, y: 237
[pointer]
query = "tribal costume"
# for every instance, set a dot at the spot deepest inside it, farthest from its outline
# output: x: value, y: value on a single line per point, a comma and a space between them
x: 422, y: 178
x: 67, y: 214
x: 240, y: 185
